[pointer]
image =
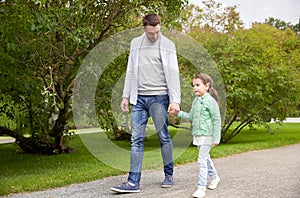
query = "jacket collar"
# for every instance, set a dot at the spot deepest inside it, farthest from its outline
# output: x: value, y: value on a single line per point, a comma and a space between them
x: 204, y: 96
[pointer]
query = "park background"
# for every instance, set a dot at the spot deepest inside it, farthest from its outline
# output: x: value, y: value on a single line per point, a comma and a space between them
x: 43, y: 44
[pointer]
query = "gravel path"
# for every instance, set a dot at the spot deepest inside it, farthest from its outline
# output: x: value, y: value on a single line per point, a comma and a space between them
x: 266, y: 173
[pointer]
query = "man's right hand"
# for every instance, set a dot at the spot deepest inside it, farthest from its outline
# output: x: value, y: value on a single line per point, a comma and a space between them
x: 174, y: 108
x: 124, y: 105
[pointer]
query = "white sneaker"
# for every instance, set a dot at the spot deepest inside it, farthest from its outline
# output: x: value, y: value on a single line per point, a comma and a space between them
x: 214, y: 183
x: 200, y: 192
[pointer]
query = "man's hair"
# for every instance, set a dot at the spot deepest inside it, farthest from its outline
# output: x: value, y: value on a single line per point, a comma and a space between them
x: 151, y: 19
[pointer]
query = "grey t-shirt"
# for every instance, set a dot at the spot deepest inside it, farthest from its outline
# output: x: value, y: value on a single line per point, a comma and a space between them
x: 151, y: 77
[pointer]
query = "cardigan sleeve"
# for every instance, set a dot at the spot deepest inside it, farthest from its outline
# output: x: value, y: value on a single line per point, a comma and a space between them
x: 128, y: 78
x: 130, y: 84
x: 171, y: 69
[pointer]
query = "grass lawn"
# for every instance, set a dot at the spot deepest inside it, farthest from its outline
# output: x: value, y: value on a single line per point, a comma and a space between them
x: 25, y: 172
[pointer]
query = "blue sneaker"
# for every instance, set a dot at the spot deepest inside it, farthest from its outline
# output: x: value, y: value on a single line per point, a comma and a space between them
x: 126, y: 188
x: 168, y: 182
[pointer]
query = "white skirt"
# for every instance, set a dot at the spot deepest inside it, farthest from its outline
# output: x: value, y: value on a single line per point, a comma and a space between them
x: 202, y: 140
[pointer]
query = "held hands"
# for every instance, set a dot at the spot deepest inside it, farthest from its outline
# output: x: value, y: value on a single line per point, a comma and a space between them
x: 174, y: 108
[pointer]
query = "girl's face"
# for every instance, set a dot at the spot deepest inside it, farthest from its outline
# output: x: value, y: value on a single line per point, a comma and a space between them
x: 199, y: 87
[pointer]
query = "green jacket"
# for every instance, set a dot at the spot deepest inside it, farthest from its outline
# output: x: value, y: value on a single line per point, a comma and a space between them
x: 205, y: 117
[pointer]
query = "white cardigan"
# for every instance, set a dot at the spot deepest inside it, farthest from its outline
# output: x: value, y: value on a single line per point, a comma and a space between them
x: 170, y: 67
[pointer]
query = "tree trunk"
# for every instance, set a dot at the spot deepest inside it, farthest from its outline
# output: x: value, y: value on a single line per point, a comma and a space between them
x: 120, y: 134
x: 47, y: 143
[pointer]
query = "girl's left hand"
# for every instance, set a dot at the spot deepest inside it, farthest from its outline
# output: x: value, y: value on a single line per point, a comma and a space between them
x: 215, y: 144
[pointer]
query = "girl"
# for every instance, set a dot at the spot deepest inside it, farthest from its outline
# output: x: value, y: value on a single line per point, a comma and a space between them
x: 206, y: 129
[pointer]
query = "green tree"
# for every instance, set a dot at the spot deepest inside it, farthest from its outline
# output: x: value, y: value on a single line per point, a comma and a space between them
x: 211, y: 15
x: 296, y: 27
x: 282, y: 25
x: 42, y: 46
x: 260, y: 69
x: 279, y: 24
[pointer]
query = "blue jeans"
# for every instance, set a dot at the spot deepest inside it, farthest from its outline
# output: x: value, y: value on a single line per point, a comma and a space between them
x: 155, y: 106
x: 206, y: 165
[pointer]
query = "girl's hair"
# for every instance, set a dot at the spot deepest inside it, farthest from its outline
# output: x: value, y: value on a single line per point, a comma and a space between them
x: 206, y: 79
x: 151, y: 19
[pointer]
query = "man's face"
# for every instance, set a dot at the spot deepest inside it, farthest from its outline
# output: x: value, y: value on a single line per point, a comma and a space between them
x: 152, y: 32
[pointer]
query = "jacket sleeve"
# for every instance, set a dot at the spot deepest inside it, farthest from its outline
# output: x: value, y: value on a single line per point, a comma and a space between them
x: 216, y: 120
x: 185, y: 115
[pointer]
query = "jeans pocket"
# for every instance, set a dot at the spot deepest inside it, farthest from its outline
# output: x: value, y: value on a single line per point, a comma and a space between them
x: 163, y: 99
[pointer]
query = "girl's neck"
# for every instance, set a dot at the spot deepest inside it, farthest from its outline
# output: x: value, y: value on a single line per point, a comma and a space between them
x: 202, y: 95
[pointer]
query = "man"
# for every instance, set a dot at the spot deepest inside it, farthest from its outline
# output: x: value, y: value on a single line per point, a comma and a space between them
x: 153, y: 86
